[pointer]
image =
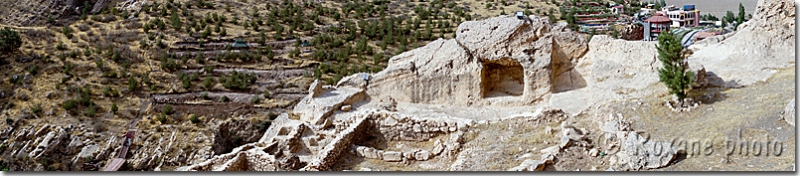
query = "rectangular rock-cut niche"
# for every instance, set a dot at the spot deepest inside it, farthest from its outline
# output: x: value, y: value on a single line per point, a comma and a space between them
x: 504, y: 77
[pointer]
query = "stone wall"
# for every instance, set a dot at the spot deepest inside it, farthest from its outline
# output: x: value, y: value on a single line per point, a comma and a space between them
x: 396, y: 126
x: 249, y: 157
x: 330, y: 153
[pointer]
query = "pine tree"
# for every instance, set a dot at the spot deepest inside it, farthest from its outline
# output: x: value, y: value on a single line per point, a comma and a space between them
x: 674, y: 74
x: 740, y: 18
x: 9, y: 40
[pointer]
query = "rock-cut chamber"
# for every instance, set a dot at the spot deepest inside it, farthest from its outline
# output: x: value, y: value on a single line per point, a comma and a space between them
x: 502, y: 78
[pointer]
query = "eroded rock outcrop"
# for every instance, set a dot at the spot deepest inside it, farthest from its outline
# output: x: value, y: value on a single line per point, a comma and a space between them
x: 634, y: 151
x: 500, y: 61
x: 755, y: 50
x: 612, y: 69
x: 497, y: 61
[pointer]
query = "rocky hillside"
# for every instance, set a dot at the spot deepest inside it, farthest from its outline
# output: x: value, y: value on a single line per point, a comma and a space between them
x: 426, y: 110
x: 755, y: 50
x: 500, y: 94
x: 40, y: 12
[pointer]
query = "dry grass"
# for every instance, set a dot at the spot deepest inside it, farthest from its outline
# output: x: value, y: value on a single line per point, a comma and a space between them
x: 98, y: 32
x: 754, y: 109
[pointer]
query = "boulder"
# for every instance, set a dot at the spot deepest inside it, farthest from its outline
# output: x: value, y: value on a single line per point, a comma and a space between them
x: 594, y: 152
x: 359, y: 80
x: 642, y: 153
x: 347, y: 108
x: 565, y: 142
x: 408, y: 155
x: 88, y: 151
x: 422, y: 155
x: 551, y: 150
x: 700, y: 78
x: 388, y: 104
x: 392, y: 156
x: 316, y: 110
x: 438, y: 147
x: 315, y: 89
x: 548, y: 158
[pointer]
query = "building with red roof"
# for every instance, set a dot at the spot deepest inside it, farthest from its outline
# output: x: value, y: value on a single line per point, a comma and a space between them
x: 655, y: 25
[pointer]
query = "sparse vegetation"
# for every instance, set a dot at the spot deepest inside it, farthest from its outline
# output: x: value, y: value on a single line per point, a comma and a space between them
x: 9, y: 40
x: 349, y: 37
x: 194, y: 118
x: 255, y: 100
x: 132, y: 84
x: 37, y: 109
x: 208, y: 82
x: 33, y: 70
x: 90, y: 111
x: 114, y: 107
x: 167, y: 109
x: 67, y: 31
x: 204, y: 95
x: 237, y: 80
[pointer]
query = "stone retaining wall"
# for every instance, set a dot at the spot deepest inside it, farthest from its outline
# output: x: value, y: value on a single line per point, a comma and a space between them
x: 330, y: 153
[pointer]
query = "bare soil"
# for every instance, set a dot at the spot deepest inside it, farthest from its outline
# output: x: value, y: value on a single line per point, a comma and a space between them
x: 752, y: 113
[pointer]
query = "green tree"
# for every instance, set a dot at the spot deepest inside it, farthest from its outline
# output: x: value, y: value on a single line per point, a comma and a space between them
x: 167, y: 110
x: 9, y: 40
x: 729, y: 17
x: 67, y: 31
x: 91, y: 111
x: 674, y: 74
x: 194, y: 118
x: 614, y: 33
x: 114, y: 107
x: 208, y: 82
x: 50, y: 19
x: 132, y: 84
x: 740, y: 18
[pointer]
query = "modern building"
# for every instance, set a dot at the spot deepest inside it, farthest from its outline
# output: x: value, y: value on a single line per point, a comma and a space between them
x: 616, y: 10
x: 687, y: 16
x: 654, y: 25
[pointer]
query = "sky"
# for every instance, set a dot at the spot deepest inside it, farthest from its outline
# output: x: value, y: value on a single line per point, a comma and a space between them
x: 716, y: 7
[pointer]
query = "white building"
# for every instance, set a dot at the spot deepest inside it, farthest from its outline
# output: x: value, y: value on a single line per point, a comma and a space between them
x: 682, y: 17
